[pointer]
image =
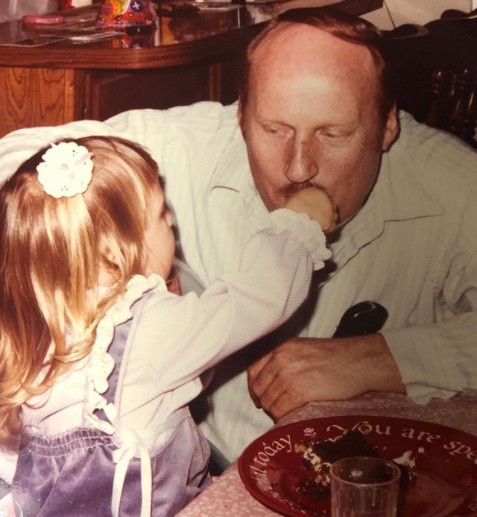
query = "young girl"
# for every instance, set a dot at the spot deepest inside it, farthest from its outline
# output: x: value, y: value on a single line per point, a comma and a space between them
x: 98, y: 361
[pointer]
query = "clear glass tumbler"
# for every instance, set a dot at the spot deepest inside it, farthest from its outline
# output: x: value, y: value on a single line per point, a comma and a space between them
x: 362, y: 486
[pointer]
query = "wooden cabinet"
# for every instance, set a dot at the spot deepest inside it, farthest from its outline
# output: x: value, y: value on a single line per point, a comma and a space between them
x: 63, y: 82
x: 39, y: 96
x: 45, y: 96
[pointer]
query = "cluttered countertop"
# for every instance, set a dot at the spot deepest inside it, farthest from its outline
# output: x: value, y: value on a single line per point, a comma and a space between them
x: 77, y: 41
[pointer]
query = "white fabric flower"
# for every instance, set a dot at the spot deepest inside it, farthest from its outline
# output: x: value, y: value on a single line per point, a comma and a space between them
x: 66, y: 170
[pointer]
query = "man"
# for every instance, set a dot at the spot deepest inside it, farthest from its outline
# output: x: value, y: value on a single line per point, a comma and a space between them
x: 318, y: 110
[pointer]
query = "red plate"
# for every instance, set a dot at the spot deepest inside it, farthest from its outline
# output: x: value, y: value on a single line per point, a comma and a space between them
x: 445, y: 482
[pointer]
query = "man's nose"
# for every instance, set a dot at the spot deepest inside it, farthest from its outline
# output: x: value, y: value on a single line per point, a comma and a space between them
x: 302, y: 164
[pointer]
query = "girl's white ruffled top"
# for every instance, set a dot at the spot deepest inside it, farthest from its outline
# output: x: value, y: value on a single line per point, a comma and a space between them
x: 177, y: 338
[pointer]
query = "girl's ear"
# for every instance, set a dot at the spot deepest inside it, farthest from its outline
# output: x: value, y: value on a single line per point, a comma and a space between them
x: 109, y: 269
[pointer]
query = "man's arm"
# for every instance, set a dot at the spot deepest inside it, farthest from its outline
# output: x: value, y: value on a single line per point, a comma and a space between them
x: 153, y: 129
x: 302, y: 370
x: 18, y: 146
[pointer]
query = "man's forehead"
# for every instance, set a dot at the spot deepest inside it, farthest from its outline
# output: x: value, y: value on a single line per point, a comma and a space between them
x: 298, y: 55
x: 295, y: 47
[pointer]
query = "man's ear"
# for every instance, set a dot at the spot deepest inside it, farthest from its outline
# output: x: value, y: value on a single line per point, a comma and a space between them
x: 391, y: 129
x: 241, y: 117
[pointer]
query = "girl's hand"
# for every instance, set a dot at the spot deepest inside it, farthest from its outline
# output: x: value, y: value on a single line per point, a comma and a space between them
x: 317, y: 205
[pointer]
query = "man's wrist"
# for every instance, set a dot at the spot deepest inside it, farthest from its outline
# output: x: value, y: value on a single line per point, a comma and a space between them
x: 374, y: 367
x: 385, y: 374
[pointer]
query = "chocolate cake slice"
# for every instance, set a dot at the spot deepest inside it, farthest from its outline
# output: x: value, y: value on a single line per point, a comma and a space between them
x: 318, y: 456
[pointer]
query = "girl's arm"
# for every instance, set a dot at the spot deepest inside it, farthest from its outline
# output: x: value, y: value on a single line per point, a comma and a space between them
x: 179, y: 337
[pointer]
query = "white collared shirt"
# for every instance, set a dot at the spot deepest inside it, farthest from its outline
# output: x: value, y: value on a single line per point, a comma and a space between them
x: 411, y: 248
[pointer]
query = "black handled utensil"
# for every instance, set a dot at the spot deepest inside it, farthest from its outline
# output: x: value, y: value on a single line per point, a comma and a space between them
x: 363, y: 318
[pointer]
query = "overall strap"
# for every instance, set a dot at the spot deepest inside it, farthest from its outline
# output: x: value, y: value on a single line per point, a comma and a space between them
x: 124, y: 338
x: 117, y: 349
x: 131, y: 444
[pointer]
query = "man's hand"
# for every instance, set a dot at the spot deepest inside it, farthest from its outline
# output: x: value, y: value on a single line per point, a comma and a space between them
x: 303, y: 370
x: 317, y: 205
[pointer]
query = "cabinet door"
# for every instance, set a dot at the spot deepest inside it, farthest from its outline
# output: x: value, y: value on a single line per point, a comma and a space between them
x: 111, y: 92
x: 46, y: 97
x: 39, y: 97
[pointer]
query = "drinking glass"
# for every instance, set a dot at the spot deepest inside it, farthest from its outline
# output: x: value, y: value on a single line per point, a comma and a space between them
x: 362, y: 486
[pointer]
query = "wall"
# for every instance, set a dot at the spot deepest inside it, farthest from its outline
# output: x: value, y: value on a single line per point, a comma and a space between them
x: 398, y: 12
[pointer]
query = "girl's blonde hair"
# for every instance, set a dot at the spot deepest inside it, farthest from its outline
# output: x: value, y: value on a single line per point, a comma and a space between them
x: 51, y: 253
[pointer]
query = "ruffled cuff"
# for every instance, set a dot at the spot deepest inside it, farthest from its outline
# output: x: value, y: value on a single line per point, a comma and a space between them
x: 308, y: 232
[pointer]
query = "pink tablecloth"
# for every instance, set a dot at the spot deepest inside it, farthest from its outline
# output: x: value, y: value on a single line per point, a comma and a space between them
x: 227, y: 497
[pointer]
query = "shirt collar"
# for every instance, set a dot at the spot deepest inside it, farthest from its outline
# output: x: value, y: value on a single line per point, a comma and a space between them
x: 399, y: 193
x: 232, y: 170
